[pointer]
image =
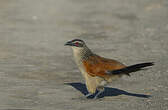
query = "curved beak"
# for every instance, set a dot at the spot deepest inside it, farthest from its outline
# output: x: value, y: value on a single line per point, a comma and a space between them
x: 69, y: 43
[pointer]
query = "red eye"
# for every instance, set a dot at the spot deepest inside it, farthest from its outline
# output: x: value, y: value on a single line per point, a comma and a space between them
x: 76, y: 43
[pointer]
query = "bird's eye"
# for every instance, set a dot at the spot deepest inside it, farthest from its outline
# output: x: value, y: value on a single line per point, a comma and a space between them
x: 76, y: 43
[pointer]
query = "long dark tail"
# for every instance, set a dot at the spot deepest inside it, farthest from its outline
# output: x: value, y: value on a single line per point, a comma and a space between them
x: 130, y: 69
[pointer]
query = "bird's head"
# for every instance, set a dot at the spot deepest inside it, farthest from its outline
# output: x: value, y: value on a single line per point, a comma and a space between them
x: 79, y: 47
x: 76, y: 43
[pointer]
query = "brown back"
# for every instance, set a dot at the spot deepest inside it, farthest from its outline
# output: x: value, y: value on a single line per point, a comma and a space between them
x: 97, y: 66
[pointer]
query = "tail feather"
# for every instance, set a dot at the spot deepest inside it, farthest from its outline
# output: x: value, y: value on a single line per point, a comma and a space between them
x: 130, y: 69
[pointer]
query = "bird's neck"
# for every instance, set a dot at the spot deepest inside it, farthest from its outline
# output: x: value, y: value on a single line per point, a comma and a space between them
x: 81, y: 54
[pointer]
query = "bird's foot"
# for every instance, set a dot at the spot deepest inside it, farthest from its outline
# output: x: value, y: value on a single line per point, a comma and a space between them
x: 97, y: 95
x: 88, y: 95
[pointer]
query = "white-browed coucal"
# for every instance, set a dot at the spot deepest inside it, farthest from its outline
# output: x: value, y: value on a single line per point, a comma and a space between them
x: 99, y: 71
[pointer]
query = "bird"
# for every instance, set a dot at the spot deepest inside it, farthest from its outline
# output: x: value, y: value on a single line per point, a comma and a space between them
x: 97, y: 70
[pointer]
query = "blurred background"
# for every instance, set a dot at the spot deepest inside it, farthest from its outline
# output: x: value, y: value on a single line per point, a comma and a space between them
x: 35, y: 65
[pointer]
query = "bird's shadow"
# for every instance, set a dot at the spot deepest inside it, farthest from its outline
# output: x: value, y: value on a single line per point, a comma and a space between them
x: 108, y: 91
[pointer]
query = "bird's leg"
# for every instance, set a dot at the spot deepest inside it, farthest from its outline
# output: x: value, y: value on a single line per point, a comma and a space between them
x: 87, y: 95
x: 100, y: 90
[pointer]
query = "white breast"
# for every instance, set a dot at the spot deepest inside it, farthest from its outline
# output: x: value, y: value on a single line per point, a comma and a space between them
x: 91, y: 82
x: 78, y: 59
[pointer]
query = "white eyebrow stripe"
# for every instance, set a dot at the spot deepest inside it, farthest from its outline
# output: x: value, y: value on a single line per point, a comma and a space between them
x: 77, y: 42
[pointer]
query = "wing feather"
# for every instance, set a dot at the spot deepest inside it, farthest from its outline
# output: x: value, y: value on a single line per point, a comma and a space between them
x: 98, y: 66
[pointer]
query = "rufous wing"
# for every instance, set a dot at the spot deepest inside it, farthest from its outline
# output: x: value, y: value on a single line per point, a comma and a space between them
x: 98, y: 66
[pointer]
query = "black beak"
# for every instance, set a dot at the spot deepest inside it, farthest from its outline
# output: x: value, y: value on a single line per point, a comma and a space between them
x: 69, y: 43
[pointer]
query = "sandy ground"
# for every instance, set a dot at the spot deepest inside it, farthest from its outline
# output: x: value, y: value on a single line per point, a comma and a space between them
x: 38, y: 73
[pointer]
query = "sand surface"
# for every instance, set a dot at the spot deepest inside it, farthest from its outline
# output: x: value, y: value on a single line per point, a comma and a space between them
x: 38, y: 73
